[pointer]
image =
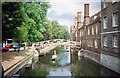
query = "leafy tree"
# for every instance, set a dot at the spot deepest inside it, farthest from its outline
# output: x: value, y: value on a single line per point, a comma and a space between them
x: 22, y: 33
x: 12, y: 17
x: 57, y: 31
x: 36, y: 14
x: 24, y: 20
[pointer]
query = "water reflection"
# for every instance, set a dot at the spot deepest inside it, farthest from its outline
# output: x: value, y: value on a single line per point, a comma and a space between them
x: 64, y: 58
x: 66, y: 64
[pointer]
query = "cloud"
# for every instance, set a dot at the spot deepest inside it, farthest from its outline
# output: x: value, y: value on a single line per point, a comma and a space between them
x: 64, y: 11
x: 65, y: 22
x: 62, y: 7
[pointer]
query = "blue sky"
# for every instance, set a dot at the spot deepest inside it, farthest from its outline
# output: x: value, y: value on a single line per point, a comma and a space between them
x: 64, y: 11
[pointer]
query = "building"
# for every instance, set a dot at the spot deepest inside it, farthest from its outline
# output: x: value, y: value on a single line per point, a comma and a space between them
x: 72, y: 33
x: 93, y: 38
x: 78, y: 25
x: 90, y: 35
x: 110, y: 34
x: 75, y: 29
x: 99, y: 35
x: 82, y: 28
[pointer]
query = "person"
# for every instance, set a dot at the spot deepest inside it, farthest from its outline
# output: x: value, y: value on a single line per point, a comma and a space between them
x: 54, y: 52
x: 54, y: 56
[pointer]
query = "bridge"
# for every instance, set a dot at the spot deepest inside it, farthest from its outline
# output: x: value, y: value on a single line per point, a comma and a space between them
x: 44, y: 47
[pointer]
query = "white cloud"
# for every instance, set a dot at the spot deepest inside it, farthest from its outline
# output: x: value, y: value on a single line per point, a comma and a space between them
x: 65, y: 22
x: 67, y: 6
x: 49, y: 11
x: 70, y: 7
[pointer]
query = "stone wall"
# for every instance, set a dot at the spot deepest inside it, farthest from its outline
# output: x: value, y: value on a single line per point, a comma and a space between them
x: 110, y: 62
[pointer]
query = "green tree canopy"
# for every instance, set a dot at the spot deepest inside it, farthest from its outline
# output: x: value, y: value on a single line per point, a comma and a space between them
x: 27, y: 22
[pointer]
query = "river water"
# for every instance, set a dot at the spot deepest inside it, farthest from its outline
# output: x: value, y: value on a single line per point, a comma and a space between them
x: 66, y: 64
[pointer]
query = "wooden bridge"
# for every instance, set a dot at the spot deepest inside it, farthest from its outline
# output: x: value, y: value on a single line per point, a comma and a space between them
x: 44, y: 47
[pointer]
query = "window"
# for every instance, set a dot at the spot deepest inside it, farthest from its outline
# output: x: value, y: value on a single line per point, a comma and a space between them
x: 91, y: 43
x: 92, y: 30
x: 80, y: 42
x: 115, y: 19
x: 104, y: 4
x: 96, y: 46
x: 88, y: 30
x: 105, y: 41
x: 80, y: 33
x: 96, y: 29
x: 100, y: 15
x: 104, y: 22
x: 115, y: 41
x: 76, y: 33
x: 88, y: 43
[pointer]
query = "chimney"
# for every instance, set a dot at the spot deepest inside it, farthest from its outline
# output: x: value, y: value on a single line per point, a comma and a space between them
x: 75, y: 21
x: 78, y: 19
x: 86, y: 14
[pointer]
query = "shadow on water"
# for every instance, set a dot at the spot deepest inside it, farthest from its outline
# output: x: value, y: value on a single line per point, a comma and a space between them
x: 67, y: 64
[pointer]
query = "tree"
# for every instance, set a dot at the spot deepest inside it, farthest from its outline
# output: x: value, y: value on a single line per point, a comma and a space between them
x: 36, y: 14
x: 57, y: 31
x: 12, y: 17
x: 24, y: 20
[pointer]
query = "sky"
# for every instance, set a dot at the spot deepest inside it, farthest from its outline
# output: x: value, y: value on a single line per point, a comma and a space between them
x: 64, y: 11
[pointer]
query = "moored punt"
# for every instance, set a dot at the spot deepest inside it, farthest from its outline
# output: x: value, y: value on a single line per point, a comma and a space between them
x: 41, y: 54
x: 29, y: 63
x: 54, y: 57
x: 67, y: 50
x: 16, y: 76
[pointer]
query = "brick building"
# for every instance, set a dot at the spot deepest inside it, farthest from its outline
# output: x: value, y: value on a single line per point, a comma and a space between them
x: 82, y: 28
x: 99, y: 35
x: 75, y: 29
x: 110, y: 34
x: 72, y: 33
x: 93, y: 37
x: 78, y: 25
x: 90, y: 35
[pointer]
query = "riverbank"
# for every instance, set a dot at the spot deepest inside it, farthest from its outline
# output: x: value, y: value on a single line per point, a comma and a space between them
x: 11, y: 58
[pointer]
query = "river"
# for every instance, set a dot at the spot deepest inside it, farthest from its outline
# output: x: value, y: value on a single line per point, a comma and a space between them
x: 66, y: 64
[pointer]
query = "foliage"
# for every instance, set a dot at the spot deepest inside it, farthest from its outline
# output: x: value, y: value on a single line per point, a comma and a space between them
x: 58, y: 49
x: 27, y: 22
x: 22, y: 33
x: 11, y: 18
x: 36, y: 15
x: 57, y: 31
